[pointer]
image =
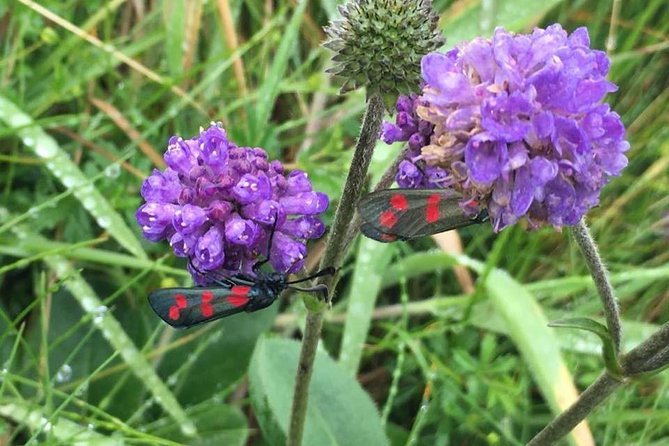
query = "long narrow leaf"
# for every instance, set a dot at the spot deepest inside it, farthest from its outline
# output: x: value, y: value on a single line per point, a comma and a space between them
x: 59, y: 163
x: 112, y: 331
x: 269, y: 90
x: 68, y: 432
x: 372, y: 259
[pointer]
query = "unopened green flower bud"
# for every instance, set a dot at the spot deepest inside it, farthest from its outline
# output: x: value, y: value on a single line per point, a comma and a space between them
x: 379, y: 45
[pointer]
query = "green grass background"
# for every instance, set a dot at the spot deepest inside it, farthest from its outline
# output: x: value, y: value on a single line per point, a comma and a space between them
x: 89, y: 94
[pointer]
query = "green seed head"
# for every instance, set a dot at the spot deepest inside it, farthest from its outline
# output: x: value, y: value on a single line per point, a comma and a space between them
x: 378, y: 44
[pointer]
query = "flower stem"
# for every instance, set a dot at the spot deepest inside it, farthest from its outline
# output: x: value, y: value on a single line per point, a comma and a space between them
x: 651, y: 355
x: 566, y: 421
x: 333, y: 256
x: 601, y: 277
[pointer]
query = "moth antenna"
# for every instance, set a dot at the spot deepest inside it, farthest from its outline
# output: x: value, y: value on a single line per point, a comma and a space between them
x: 324, y: 272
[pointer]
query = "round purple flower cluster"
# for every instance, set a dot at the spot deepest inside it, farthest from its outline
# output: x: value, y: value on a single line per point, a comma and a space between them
x: 216, y: 203
x: 515, y: 123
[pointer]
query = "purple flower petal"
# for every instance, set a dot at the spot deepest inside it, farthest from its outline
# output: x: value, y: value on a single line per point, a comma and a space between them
x: 298, y: 181
x: 264, y: 212
x: 307, y: 203
x: 241, y: 231
x: 209, y: 249
x: 155, y: 220
x: 408, y: 175
x: 189, y: 218
x: 485, y: 159
x: 306, y: 226
x: 214, y: 146
x: 183, y: 245
x: 287, y: 254
x: 179, y: 156
x: 161, y: 186
x: 251, y: 188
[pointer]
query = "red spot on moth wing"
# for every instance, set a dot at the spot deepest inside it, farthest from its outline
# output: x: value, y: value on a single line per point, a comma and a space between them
x: 433, y: 199
x: 399, y: 202
x: 174, y: 312
x: 180, y: 300
x: 388, y: 237
x: 207, y: 309
x: 387, y: 219
x: 240, y: 290
x: 207, y: 296
x: 236, y: 300
x: 432, y: 210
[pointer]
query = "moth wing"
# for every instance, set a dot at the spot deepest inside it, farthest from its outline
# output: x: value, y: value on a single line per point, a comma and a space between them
x: 186, y: 307
x: 411, y: 213
x: 372, y: 232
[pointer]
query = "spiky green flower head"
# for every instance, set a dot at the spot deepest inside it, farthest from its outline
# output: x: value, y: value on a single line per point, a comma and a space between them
x: 379, y: 45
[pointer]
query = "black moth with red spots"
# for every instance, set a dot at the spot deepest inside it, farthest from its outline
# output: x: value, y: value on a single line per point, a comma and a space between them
x: 404, y: 214
x: 185, y: 307
x: 228, y: 295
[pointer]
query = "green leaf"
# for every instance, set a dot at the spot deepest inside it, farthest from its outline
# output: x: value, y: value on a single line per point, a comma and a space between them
x: 232, y: 338
x: 174, y: 16
x: 466, y: 20
x: 339, y: 411
x: 608, y: 346
x: 371, y: 260
x: 269, y: 90
x: 528, y: 328
x: 68, y: 432
x: 60, y: 164
x: 113, y: 332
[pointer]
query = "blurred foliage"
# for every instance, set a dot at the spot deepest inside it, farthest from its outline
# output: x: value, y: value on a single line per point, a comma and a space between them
x: 104, y: 84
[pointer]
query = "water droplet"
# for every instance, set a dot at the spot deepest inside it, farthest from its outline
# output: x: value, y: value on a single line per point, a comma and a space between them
x: 28, y: 141
x: 99, y: 314
x: 64, y: 374
x: 172, y: 380
x: 46, y: 425
x: 104, y: 222
x: 89, y: 203
x: 188, y: 429
x: 68, y: 181
x: 33, y: 212
x: 90, y: 426
x: 113, y: 170
x: 42, y: 150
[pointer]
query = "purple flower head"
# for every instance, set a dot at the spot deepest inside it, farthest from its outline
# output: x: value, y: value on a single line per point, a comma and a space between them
x: 216, y: 204
x: 514, y: 123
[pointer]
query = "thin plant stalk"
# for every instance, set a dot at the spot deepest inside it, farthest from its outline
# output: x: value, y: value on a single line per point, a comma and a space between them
x: 647, y: 358
x: 600, y: 275
x: 333, y: 256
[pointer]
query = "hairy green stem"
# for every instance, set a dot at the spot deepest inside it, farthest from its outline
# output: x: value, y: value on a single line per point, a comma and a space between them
x: 649, y: 356
x: 601, y: 277
x: 333, y: 256
x: 566, y: 421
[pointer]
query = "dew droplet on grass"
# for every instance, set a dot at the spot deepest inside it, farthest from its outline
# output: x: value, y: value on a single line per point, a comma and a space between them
x: 64, y: 374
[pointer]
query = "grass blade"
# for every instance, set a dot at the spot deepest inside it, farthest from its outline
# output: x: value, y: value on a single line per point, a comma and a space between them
x: 371, y: 260
x: 112, y: 331
x: 269, y: 90
x: 59, y: 163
